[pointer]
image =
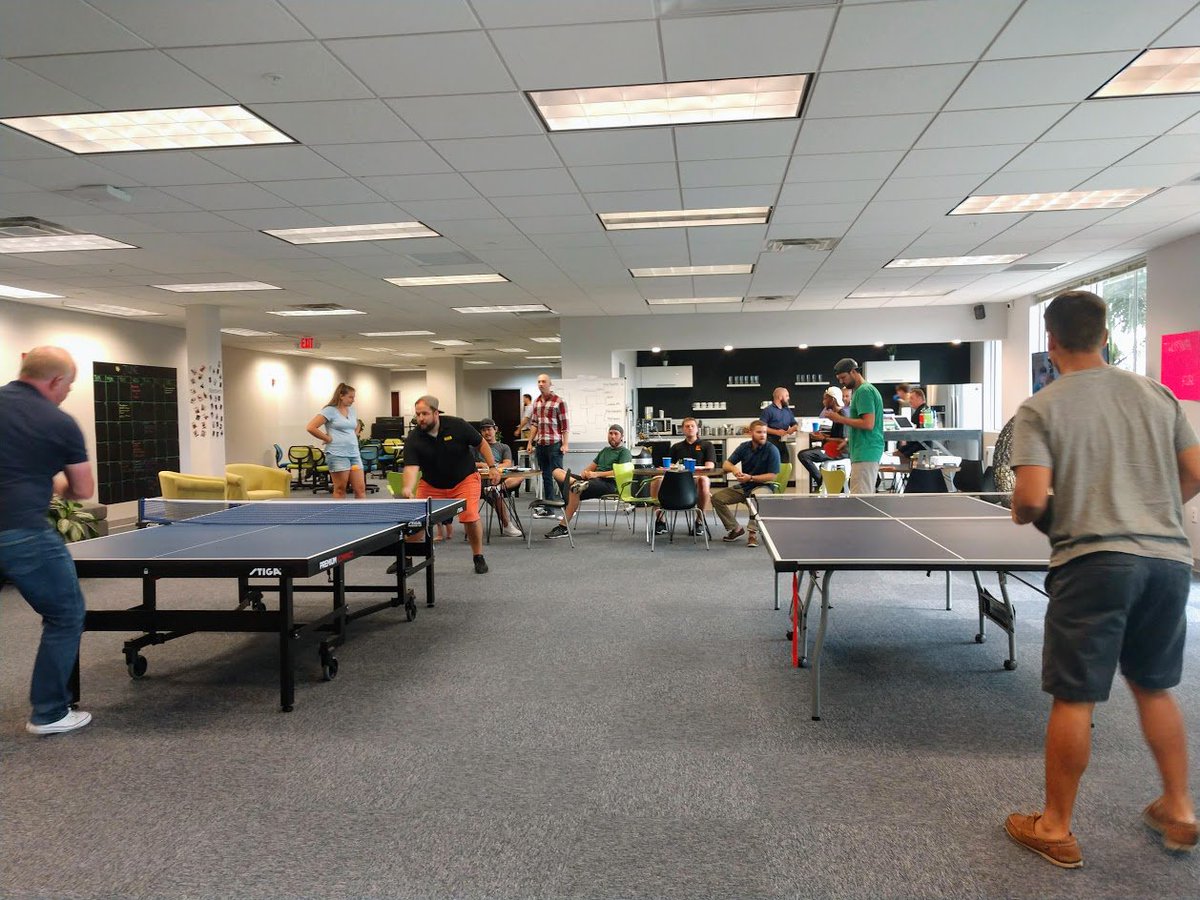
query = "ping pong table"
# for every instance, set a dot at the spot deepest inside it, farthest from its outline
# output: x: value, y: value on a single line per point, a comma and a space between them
x: 814, y: 537
x: 266, y: 546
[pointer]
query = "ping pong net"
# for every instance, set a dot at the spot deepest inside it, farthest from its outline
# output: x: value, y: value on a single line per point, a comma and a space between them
x: 161, y: 511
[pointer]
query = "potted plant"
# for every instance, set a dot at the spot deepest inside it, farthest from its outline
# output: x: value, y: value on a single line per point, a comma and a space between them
x: 71, y: 520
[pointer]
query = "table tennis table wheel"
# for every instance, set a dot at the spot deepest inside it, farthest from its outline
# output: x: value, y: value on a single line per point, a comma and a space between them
x: 329, y: 668
x: 980, y: 638
x: 1010, y: 664
x: 410, y: 608
x: 137, y: 665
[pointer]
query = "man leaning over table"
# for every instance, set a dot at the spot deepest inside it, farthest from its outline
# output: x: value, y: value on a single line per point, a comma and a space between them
x: 759, y: 459
x: 494, y: 494
x: 691, y: 447
x: 595, y: 481
x: 865, y: 424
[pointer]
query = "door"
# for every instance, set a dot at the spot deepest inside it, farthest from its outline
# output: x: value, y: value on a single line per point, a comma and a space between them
x: 506, y: 410
x: 395, y: 403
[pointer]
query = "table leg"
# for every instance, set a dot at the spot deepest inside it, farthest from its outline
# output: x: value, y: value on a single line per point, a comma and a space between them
x: 816, y: 666
x: 287, y: 673
x: 948, y: 597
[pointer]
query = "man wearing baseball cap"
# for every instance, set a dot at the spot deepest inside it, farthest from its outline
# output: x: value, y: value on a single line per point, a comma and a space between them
x: 864, y: 426
x: 494, y: 494
x: 595, y: 481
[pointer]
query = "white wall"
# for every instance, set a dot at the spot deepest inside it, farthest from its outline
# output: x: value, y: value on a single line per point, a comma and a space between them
x: 1014, y: 357
x: 410, y: 386
x: 477, y: 401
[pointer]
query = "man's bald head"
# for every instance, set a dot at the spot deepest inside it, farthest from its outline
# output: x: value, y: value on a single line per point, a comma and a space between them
x: 51, y: 370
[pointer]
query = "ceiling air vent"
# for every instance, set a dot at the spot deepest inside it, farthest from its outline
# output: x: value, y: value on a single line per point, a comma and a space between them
x: 1034, y: 267
x: 29, y: 227
x: 823, y: 245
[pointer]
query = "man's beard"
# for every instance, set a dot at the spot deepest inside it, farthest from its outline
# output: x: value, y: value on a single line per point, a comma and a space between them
x: 432, y: 425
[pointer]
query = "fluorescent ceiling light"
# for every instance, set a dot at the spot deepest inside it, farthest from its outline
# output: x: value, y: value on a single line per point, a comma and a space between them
x: 336, y: 234
x: 888, y: 295
x: 378, y: 349
x: 685, y: 218
x: 672, y: 103
x: 533, y: 367
x: 395, y: 333
x: 476, y: 362
x: 60, y: 243
x: 248, y: 332
x: 510, y: 308
x: 216, y: 286
x: 666, y: 271
x: 151, y: 129
x: 429, y: 280
x: 937, y: 261
x: 547, y: 340
x: 341, y: 358
x: 543, y: 357
x: 682, y: 301
x: 316, y: 312
x: 511, y: 349
x: 803, y: 346
x: 1169, y: 70
x: 452, y: 342
x: 728, y: 348
x: 1026, y: 203
x: 111, y: 310
x: 16, y: 293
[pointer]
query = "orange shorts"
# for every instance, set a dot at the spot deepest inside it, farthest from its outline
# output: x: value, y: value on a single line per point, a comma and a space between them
x: 468, y: 489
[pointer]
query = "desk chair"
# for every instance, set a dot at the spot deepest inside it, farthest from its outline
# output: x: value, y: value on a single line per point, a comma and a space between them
x: 623, y: 476
x: 369, y: 454
x: 678, y: 493
x: 320, y: 472
x: 299, y: 461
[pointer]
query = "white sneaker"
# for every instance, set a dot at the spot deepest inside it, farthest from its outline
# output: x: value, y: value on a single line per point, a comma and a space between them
x: 511, y: 530
x: 72, y: 720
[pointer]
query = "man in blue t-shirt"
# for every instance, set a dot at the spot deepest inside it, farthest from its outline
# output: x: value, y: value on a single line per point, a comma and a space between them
x: 759, y: 460
x: 45, y: 455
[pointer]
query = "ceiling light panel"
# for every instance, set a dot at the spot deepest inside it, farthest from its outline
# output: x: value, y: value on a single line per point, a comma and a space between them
x: 667, y: 271
x: 1027, y: 203
x: 543, y: 357
x: 432, y: 280
x: 682, y: 301
x: 61, y: 243
x: 248, y: 332
x: 16, y: 293
x: 151, y: 129
x: 511, y: 349
x: 316, y: 312
x: 889, y: 295
x: 674, y: 103
x: 110, y: 310
x: 511, y: 308
x: 547, y: 340
x: 938, y: 261
x: 336, y: 234
x: 685, y: 218
x: 1168, y: 70
x: 452, y: 342
x: 477, y: 362
x: 396, y: 333
x: 218, y: 286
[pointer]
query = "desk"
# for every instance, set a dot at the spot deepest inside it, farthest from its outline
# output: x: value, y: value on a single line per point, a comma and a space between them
x: 970, y: 439
x: 274, y: 542
x: 814, y: 537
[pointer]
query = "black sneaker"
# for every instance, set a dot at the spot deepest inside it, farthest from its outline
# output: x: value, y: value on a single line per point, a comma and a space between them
x: 700, y: 526
x: 660, y: 526
x: 557, y: 531
x: 540, y: 512
x: 480, y: 565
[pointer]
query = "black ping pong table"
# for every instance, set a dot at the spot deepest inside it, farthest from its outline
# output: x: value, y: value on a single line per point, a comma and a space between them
x: 266, y: 545
x: 814, y: 537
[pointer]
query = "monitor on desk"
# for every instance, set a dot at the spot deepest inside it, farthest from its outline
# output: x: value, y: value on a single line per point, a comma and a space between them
x: 904, y: 422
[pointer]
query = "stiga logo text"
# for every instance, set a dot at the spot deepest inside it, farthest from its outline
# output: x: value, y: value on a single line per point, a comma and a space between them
x: 265, y: 572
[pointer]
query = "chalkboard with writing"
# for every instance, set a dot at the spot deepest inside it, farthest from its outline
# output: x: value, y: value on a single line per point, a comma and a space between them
x: 137, y: 429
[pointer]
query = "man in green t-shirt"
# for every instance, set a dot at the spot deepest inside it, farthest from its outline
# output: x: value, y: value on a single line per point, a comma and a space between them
x: 864, y: 426
x: 593, y: 482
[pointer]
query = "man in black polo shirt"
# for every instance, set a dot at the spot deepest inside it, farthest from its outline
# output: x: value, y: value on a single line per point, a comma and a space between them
x: 441, y: 450
x: 691, y: 447
x: 44, y: 454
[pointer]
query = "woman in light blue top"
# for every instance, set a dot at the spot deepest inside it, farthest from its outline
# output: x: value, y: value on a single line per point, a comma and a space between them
x: 337, y: 427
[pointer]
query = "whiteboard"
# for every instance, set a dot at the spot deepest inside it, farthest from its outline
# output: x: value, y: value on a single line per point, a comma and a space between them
x: 592, y: 405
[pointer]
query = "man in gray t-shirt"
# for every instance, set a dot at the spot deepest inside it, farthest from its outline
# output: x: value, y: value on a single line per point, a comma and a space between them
x: 1109, y: 491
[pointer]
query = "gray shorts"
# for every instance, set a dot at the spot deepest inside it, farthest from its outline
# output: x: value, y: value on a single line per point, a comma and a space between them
x: 1110, y: 608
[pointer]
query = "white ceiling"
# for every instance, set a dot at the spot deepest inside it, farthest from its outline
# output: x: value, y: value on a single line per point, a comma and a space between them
x: 410, y: 109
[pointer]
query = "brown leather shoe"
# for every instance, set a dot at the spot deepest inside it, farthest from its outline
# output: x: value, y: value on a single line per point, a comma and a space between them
x: 734, y: 535
x: 1178, y: 836
x: 752, y: 540
x: 1064, y: 852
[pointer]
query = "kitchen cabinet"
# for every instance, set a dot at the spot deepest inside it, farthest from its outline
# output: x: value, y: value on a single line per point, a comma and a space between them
x: 664, y: 376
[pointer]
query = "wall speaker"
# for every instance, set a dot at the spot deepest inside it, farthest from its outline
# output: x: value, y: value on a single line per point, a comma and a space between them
x: 979, y: 310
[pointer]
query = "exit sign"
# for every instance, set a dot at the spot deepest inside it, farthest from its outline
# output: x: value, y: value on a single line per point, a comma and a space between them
x: 307, y: 343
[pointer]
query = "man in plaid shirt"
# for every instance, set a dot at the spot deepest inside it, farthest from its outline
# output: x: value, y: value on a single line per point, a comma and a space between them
x: 549, y: 438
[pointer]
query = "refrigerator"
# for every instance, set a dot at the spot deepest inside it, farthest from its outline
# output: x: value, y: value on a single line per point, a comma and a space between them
x: 957, y: 405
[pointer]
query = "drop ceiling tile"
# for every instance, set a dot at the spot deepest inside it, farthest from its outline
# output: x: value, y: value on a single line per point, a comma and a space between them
x: 1030, y: 82
x: 732, y: 141
x: 284, y: 217
x: 286, y: 163
x: 634, y: 201
x: 883, y: 92
x: 336, y: 121
x: 825, y: 213
x: 985, y: 127
x: 523, y: 182
x: 1141, y: 176
x: 640, y: 177
x: 605, y: 147
x: 1053, y: 180
x: 358, y: 213
x: 432, y: 212
x: 226, y: 196
x: 544, y: 205
x: 803, y: 193
x: 135, y: 79
x: 400, y: 158
x: 1176, y: 149
x: 400, y: 188
x: 1049, y: 27
x: 952, y: 187
x: 520, y: 13
x: 61, y: 26
x: 428, y: 64
x: 843, y: 166
x: 1060, y: 154
x: 352, y: 18
x: 744, y: 44
x: 324, y: 191
x: 210, y: 22
x: 187, y: 222
x: 468, y: 115
x: 941, y: 31
x: 727, y: 197
x: 177, y: 167
x: 498, y: 153
x: 856, y: 133
x: 306, y: 71
x: 731, y: 172
x: 61, y: 174
x: 27, y: 94
x: 958, y: 161
x: 1123, y: 117
x: 581, y: 55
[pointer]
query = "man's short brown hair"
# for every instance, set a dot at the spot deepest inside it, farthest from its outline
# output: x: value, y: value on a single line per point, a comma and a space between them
x: 1078, y: 320
x: 755, y: 424
x: 687, y: 419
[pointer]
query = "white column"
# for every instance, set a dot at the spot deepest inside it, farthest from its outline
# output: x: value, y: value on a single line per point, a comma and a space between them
x: 444, y: 379
x: 205, y: 426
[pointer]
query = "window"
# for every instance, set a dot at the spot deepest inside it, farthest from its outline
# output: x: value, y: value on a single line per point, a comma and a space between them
x: 1124, y: 290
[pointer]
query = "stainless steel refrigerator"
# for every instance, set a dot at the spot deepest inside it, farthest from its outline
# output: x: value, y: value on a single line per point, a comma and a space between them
x: 957, y: 405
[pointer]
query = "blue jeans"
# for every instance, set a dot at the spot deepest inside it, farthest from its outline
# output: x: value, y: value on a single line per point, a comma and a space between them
x: 36, y: 562
x: 549, y: 457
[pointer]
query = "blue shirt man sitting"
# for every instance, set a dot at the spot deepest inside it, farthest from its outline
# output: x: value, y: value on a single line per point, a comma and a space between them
x: 760, y: 466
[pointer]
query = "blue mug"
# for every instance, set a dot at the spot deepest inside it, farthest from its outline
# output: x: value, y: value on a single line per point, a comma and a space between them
x: 666, y: 462
x: 690, y: 465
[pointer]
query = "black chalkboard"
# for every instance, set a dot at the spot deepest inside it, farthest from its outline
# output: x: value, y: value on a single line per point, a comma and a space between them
x: 137, y: 429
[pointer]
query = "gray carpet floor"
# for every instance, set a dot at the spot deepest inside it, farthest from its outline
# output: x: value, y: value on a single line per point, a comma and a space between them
x: 598, y: 722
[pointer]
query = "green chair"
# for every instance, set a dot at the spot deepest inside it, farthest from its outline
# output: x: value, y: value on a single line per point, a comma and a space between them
x: 623, y: 475
x: 395, y: 482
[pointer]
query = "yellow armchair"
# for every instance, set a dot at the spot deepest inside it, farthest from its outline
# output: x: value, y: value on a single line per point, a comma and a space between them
x: 180, y: 486
x: 249, y: 481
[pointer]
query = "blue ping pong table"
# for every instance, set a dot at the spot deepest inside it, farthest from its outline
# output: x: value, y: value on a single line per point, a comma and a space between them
x: 266, y: 546
x: 813, y: 537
